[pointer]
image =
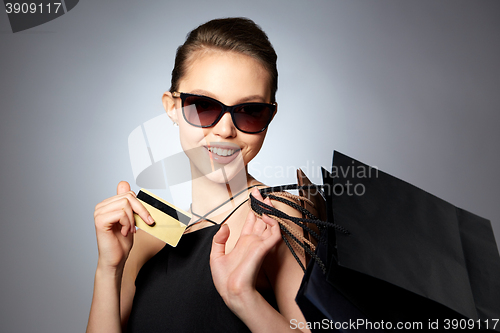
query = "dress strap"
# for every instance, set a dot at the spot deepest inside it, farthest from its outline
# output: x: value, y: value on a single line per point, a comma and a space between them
x: 204, y: 217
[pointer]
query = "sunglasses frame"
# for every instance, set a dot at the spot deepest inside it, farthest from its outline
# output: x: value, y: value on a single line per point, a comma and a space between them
x: 226, y: 108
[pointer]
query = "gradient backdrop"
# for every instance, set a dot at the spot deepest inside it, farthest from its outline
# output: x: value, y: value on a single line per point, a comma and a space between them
x: 409, y: 86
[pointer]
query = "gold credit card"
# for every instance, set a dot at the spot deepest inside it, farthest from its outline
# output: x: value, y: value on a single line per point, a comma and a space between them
x: 170, y: 220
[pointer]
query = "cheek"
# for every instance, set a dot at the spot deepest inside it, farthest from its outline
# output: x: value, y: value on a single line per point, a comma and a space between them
x: 190, y: 136
x: 254, y: 144
x: 184, y: 138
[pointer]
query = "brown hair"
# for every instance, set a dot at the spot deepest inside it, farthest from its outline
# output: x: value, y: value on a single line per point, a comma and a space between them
x: 236, y: 34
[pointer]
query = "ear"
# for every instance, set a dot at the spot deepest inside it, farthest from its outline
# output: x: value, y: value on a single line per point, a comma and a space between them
x: 168, y: 102
x: 275, y: 110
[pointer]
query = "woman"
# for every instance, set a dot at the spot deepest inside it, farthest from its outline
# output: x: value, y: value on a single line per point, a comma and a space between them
x: 231, y: 271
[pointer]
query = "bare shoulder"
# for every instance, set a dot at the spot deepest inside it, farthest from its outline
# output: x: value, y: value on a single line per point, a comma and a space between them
x: 144, y: 248
x: 283, y: 271
x: 281, y: 255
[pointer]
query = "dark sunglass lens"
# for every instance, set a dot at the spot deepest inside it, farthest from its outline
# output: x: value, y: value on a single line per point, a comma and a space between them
x: 252, y: 118
x: 200, y: 111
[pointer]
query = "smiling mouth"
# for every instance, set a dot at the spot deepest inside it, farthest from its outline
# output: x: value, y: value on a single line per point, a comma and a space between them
x: 222, y: 151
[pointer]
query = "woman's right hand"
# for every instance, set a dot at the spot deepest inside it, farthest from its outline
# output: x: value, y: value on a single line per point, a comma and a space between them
x: 115, y: 226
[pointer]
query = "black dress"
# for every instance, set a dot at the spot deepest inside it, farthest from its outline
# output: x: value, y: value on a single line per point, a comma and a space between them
x: 175, y: 291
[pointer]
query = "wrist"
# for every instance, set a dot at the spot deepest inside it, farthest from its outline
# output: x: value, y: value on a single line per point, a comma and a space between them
x: 240, y: 302
x: 109, y: 270
x: 257, y: 313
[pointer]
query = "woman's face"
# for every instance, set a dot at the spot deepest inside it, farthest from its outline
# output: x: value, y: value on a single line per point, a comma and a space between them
x: 232, y: 78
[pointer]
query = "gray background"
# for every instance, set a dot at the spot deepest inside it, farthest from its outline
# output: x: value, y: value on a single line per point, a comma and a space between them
x: 409, y: 86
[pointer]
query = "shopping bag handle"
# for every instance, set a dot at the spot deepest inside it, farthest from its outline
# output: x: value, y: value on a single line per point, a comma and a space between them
x: 259, y: 208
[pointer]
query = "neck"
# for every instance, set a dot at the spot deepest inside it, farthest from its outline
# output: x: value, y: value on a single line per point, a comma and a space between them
x: 209, y: 193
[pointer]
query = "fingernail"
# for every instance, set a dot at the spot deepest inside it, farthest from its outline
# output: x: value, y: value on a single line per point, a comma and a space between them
x: 151, y: 221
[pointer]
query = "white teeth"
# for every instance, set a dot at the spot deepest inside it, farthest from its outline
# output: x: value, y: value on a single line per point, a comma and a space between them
x: 221, y: 152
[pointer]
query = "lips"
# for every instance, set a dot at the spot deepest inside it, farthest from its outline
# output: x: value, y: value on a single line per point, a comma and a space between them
x: 222, y: 153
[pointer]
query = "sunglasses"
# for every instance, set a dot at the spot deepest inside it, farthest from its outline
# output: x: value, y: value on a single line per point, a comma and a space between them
x: 203, y: 111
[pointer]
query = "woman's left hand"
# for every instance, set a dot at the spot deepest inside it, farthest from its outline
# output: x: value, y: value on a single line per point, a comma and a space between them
x: 235, y: 274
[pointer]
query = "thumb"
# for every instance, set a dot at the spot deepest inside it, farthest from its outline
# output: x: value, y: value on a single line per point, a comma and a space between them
x: 219, y: 243
x: 123, y: 187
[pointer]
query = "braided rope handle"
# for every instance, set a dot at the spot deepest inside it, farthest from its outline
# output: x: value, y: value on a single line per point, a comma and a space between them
x: 297, y: 240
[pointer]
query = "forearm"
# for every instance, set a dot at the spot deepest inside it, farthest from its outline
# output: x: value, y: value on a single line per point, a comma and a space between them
x: 259, y: 315
x: 105, y: 309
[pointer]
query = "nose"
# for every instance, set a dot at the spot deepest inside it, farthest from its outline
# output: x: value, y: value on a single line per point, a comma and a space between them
x: 225, y: 127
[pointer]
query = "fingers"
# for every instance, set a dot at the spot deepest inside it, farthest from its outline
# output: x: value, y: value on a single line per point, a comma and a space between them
x: 249, y: 224
x: 140, y: 210
x: 264, y: 227
x: 107, y: 220
x: 117, y: 212
x: 118, y: 204
x: 114, y: 198
x: 264, y: 236
x: 122, y: 187
x: 257, y: 226
x: 219, y: 243
x: 271, y: 223
x: 257, y: 195
x: 127, y: 225
x: 126, y: 199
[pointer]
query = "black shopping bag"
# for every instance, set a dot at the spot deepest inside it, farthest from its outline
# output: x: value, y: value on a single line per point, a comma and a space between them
x: 410, y: 259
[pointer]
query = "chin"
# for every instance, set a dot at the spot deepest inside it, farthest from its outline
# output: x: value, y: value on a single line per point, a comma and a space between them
x: 230, y: 177
x: 230, y: 173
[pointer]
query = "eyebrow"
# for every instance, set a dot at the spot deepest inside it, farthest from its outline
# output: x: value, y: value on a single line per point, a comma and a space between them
x: 241, y: 100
